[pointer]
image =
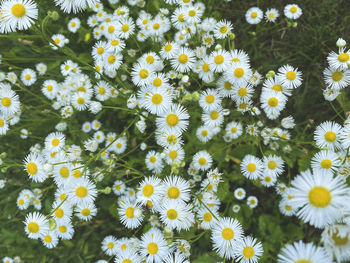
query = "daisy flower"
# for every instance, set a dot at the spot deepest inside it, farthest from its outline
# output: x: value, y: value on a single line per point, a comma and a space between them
x: 225, y: 236
x: 49, y: 239
x: 252, y: 201
x: 155, y: 100
x: 174, y: 187
x: 109, y: 245
x: 153, y: 246
x: 273, y: 165
x: 33, y: 164
x: 176, y: 214
x: 248, y: 250
x: 184, y: 60
x: 319, y: 198
x: 204, y: 133
x: 213, y: 118
x: 209, y: 100
x: 175, y: 119
x: 130, y: 214
x: 292, y: 11
x: 219, y: 60
x: 55, y: 141
x: 272, y: 103
x: 17, y: 15
x: 238, y: 73
x: 289, y: 77
x: 74, y: 24
x: 154, y: 162
x: 234, y: 129
x: 127, y: 255
x: 303, y: 252
x: 327, y: 134
x: 336, y: 79
x: 9, y: 101
x: 36, y: 225
x: 239, y: 193
x: 150, y: 189
x: 82, y: 190
x: 141, y: 74
x: 271, y: 15
x: 168, y: 137
x: 169, y: 50
x: 254, y: 15
x: 112, y: 61
x: 251, y: 167
x: 80, y: 101
x: 208, y: 221
x: 28, y: 77
x: 222, y: 29
x: 339, y: 61
x: 174, y: 154
x: 85, y: 211
x: 274, y: 84
x: 345, y: 136
x: 202, y: 161
x: 242, y: 93
x: 325, y: 162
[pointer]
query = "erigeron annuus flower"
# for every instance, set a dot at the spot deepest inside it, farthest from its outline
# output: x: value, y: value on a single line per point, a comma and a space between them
x: 209, y: 100
x: 153, y: 246
x: 127, y: 255
x: 336, y: 78
x: 169, y: 50
x: 154, y: 162
x: 28, y: 77
x: 202, y: 160
x: 204, y: 133
x: 254, y: 15
x: 85, y: 211
x: 252, y: 201
x: 17, y: 15
x: 319, y: 198
x: 271, y: 15
x: 50, y: 239
x: 303, y: 252
x: 34, y: 167
x: 251, y: 167
x: 292, y: 11
x: 9, y: 100
x: 175, y: 118
x: 242, y: 93
x: 289, y: 76
x: 130, y: 214
x: 222, y: 29
x: 238, y: 73
x: 273, y: 165
x: 225, y: 235
x: 272, y: 103
x: 184, y: 60
x: 155, y: 100
x: 75, y: 6
x: 175, y: 187
x: 325, y: 162
x: 327, y: 134
x: 340, y: 60
x: 176, y: 214
x: 248, y: 250
x: 36, y: 225
x: 82, y: 190
x: 109, y: 245
x: 150, y: 189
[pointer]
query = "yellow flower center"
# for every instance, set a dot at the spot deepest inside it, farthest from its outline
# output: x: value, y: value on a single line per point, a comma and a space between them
x: 173, y: 154
x: 343, y: 57
x: 6, y: 102
x: 207, y: 217
x: 48, y: 239
x: 143, y: 73
x: 157, y: 99
x: 62, y: 229
x: 239, y: 72
x: 80, y: 100
x: 330, y: 136
x: 303, y: 261
x: 210, y: 98
x: 183, y: 58
x: 85, y: 212
x: 57, y: 40
x: 251, y: 167
x: 271, y: 16
x: 157, y: 82
x: 340, y: 241
x: 171, y: 214
x: 33, y: 227
x: 81, y: 191
x: 148, y: 190
x: 55, y: 142
x: 73, y: 24
x: 202, y: 161
x: 110, y: 245
x: 32, y: 168
x: 150, y: 59
x: 214, y: 115
x: 49, y: 87
x: 181, y: 18
x: 288, y: 207
x: 293, y: 9
x: 337, y: 76
x: 111, y: 29
x: 253, y: 14
x: 118, y: 145
x: 223, y: 29
x: 227, y: 85
x: 248, y: 252
x: 111, y: 59
x: 192, y: 13
x: 152, y: 159
x: 129, y: 212
x: 205, y: 67
x: 219, y: 59
x: 272, y: 165
x: 277, y: 87
x: 100, y: 50
x: 273, y: 102
x: 168, y: 47
x: 20, y: 201
x: 59, y: 213
x: 152, y: 248
x: 126, y: 261
x: 227, y: 233
x: 320, y: 196
x: 172, y: 119
x: 156, y: 26
x: 326, y: 164
x: 204, y: 133
x: 18, y: 10
x: 125, y: 28
x: 173, y: 192
x: 27, y: 76
x: 290, y: 75
x: 242, y: 92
